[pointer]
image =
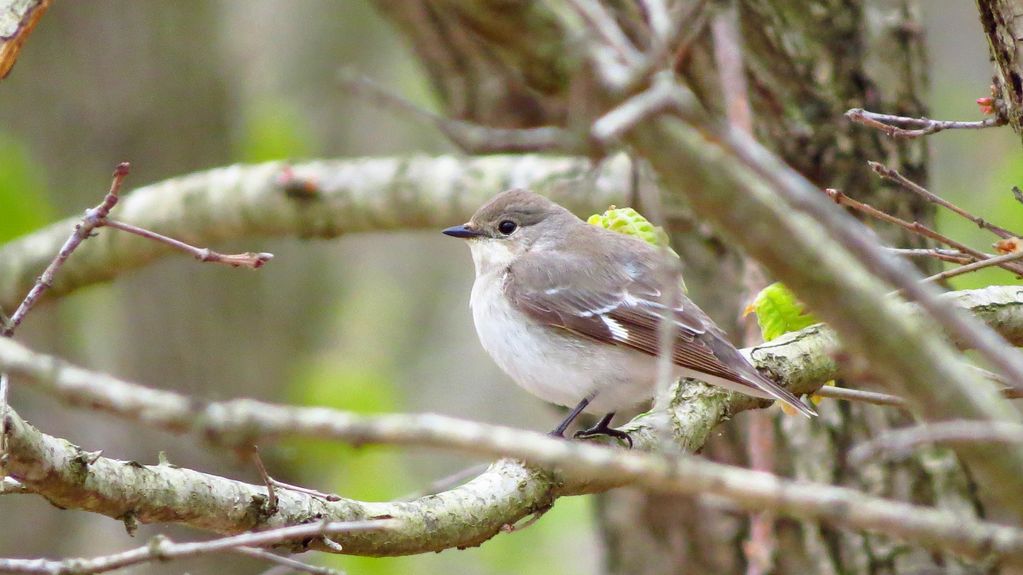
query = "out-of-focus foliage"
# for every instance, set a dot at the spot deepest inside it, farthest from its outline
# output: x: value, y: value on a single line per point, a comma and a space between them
x: 23, y: 195
x: 274, y: 130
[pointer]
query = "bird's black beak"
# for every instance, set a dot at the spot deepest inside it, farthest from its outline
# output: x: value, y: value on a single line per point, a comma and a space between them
x: 462, y: 231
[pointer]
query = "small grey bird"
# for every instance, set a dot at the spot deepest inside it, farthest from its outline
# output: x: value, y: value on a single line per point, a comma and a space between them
x: 570, y: 311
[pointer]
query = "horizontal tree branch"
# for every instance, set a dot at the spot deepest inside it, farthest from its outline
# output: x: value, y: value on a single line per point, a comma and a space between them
x: 424, y: 526
x: 317, y: 199
x: 474, y: 512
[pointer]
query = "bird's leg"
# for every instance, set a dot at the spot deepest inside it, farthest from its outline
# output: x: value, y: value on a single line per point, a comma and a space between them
x: 603, y: 427
x: 559, y: 431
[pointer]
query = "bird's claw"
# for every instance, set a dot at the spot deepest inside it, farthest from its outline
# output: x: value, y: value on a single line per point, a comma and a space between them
x: 605, y: 430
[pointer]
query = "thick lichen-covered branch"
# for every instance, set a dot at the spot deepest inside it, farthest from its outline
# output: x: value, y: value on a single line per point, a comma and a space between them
x: 318, y: 199
x: 476, y: 511
x: 470, y: 514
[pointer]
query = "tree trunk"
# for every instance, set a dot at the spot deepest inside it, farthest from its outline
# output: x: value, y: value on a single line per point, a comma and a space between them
x: 804, y: 69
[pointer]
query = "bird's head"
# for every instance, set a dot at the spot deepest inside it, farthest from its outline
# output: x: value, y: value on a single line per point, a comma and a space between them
x: 509, y: 225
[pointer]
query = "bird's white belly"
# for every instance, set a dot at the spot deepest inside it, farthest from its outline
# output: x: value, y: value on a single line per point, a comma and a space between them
x: 559, y: 367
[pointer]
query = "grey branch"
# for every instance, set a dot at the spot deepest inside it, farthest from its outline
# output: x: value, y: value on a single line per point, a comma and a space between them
x: 909, y: 185
x: 899, y: 443
x: 470, y: 137
x: 312, y: 199
x: 476, y: 511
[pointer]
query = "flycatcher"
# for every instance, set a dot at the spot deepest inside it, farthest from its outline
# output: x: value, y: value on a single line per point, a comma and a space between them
x: 570, y: 311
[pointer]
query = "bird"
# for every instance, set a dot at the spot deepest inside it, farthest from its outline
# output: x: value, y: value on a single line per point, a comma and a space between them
x: 571, y: 311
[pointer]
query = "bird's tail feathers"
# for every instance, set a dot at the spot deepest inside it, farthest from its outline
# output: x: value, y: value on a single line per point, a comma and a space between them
x: 780, y: 393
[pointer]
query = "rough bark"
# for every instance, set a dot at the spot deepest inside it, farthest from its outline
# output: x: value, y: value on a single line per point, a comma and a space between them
x: 1002, y: 21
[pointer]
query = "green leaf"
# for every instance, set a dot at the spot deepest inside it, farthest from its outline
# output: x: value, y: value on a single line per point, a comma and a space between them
x: 779, y: 312
x: 631, y: 223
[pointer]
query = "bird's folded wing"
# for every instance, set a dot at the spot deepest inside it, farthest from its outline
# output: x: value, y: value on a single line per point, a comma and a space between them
x: 621, y: 305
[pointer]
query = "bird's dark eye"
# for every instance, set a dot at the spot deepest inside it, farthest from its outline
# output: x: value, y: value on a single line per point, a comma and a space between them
x: 506, y: 227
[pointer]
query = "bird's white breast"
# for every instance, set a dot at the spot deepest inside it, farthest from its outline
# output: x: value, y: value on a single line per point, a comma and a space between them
x: 556, y: 365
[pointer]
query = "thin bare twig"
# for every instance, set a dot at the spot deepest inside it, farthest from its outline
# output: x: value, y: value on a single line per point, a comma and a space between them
x: 860, y: 395
x: 98, y: 217
x: 306, y: 490
x: 995, y: 261
x: 915, y: 227
x: 469, y: 137
x: 660, y: 23
x: 953, y: 256
x: 271, y: 494
x: 447, y: 482
x: 899, y: 443
x: 251, y: 260
x: 93, y: 219
x: 894, y: 176
x: 3, y: 417
x: 603, y: 25
x: 161, y: 548
x: 694, y: 20
x: 877, y: 398
x: 906, y: 127
x: 287, y: 562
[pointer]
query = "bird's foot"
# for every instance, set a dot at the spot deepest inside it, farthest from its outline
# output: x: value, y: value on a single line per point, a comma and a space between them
x: 603, y: 428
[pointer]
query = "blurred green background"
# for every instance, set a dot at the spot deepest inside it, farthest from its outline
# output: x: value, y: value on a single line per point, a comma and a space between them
x: 373, y: 323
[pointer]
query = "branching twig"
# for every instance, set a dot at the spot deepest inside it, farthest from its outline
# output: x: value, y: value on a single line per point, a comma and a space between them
x: 953, y: 256
x: 161, y: 548
x: 659, y: 97
x: 98, y: 217
x: 470, y: 137
x: 906, y: 127
x: 899, y: 443
x: 271, y: 493
x: 915, y: 227
x: 93, y: 219
x: 894, y: 176
x: 995, y: 261
x: 603, y: 26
